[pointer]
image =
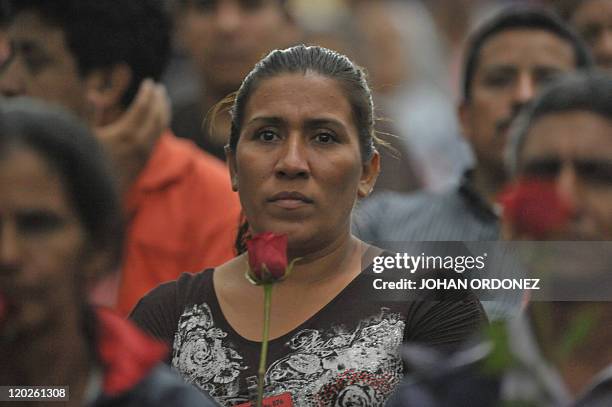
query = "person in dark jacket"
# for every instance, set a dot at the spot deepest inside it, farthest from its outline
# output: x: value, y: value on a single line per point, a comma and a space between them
x: 60, y: 231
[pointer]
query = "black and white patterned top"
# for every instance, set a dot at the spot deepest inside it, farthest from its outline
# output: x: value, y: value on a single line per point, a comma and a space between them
x: 347, y: 353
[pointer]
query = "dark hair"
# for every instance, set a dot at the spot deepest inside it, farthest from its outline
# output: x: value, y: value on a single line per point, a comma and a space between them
x: 589, y: 92
x: 567, y: 8
x: 303, y: 59
x: 186, y: 2
x: 525, y: 17
x: 322, y: 61
x: 208, y: 5
x: 68, y: 146
x: 5, y: 14
x: 103, y: 33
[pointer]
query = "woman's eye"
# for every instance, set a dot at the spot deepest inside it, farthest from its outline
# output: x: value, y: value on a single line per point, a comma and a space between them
x: 267, y: 136
x: 325, y: 138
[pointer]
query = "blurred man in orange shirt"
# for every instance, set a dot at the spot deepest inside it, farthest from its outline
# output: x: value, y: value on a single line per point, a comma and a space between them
x: 98, y: 58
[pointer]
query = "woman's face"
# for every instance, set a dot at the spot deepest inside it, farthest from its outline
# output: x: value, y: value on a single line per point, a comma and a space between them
x: 41, y: 247
x: 297, y: 166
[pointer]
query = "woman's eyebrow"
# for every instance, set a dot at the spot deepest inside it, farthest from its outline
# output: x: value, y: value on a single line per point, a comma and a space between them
x: 311, y: 123
x: 273, y: 120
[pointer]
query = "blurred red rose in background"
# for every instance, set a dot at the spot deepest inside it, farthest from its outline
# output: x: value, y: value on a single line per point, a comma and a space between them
x: 534, y: 207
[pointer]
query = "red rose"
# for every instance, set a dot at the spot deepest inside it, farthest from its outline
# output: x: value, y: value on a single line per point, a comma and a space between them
x: 267, y: 258
x: 534, y: 208
x: 267, y: 265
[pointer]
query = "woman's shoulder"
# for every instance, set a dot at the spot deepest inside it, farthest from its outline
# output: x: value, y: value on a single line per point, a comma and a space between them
x: 186, y: 283
x: 189, y: 288
x: 189, y: 281
x: 159, y: 310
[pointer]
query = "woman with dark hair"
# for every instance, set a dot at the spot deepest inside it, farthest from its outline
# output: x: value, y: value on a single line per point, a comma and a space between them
x: 301, y: 152
x: 60, y: 232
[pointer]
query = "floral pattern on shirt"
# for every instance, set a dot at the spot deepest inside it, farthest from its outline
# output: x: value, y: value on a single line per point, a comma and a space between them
x: 337, y: 367
x: 200, y: 356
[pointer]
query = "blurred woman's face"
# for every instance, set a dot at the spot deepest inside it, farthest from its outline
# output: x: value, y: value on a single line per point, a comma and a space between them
x: 297, y: 166
x: 41, y: 247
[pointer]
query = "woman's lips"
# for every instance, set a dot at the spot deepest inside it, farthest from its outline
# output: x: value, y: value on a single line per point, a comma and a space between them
x: 290, y: 203
x: 290, y: 200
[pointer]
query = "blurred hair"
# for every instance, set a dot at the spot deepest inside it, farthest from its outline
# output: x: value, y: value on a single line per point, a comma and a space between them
x: 104, y: 33
x: 302, y: 60
x: 525, y: 17
x: 67, y: 145
x: 5, y: 14
x: 208, y: 5
x: 567, y: 8
x: 587, y: 92
x: 211, y: 3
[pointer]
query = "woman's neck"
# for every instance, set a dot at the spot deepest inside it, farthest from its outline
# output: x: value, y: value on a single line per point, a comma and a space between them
x: 342, y: 256
x: 316, y: 279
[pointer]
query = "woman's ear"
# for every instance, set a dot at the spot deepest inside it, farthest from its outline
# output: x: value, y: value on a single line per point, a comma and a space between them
x: 370, y: 172
x: 230, y: 157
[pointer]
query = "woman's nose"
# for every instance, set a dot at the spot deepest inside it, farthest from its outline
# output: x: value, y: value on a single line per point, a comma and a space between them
x: 292, y: 161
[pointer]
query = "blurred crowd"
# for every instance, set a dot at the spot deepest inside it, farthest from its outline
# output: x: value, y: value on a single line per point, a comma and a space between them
x: 411, y: 50
x: 459, y: 116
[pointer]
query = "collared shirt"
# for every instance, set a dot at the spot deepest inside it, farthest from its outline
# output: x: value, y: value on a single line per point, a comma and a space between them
x: 459, y: 214
x: 182, y: 216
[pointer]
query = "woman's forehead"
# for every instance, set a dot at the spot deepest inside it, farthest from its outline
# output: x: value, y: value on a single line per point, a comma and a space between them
x: 303, y: 96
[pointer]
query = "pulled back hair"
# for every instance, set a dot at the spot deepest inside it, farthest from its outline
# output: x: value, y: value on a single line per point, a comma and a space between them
x: 318, y: 60
x: 104, y: 33
x: 68, y: 146
x: 303, y: 59
x: 587, y: 92
x: 513, y: 18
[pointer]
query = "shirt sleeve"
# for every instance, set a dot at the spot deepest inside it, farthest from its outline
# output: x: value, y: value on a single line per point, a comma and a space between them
x: 444, y: 319
x: 156, y: 313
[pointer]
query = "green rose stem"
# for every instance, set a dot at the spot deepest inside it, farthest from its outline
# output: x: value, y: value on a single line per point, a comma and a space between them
x: 266, y: 249
x: 264, y: 343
